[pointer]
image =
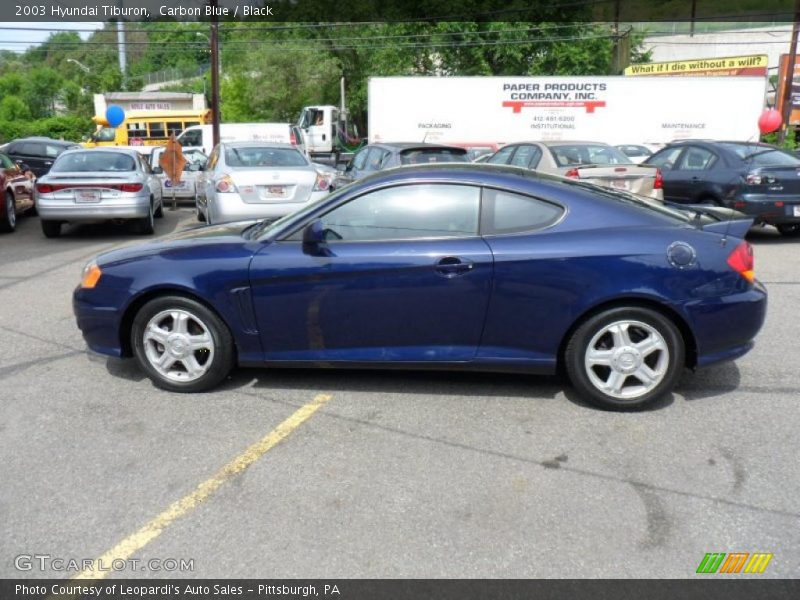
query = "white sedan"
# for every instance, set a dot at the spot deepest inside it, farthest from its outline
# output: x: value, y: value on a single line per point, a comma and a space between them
x: 187, y: 187
x: 246, y: 180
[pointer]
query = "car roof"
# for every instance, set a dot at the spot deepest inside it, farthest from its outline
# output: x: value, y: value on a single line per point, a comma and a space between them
x: 40, y: 138
x: 108, y: 149
x: 415, y: 145
x: 256, y: 144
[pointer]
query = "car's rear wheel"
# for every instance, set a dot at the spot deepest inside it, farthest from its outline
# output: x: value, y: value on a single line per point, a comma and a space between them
x: 8, y: 222
x: 788, y: 229
x: 146, y: 225
x: 159, y: 213
x: 625, y: 358
x: 182, y: 345
x: 51, y: 229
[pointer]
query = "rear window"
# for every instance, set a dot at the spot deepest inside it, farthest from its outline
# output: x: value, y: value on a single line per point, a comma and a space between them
x: 424, y: 156
x: 93, y: 161
x: 253, y: 156
x: 763, y: 156
x: 588, y: 154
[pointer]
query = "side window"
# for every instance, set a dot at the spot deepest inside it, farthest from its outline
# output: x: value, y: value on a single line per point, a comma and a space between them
x: 360, y: 159
x: 157, y: 130
x: 502, y: 156
x: 31, y: 149
x: 697, y: 159
x: 526, y: 156
x: 6, y: 162
x: 665, y: 159
x: 174, y: 127
x: 13, y: 148
x: 192, y: 138
x: 51, y: 151
x: 507, y: 212
x: 405, y: 213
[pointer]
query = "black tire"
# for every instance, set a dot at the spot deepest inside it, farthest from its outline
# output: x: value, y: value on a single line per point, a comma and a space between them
x: 200, y: 216
x: 642, y: 324
x: 789, y: 229
x: 160, y: 210
x: 51, y: 229
x: 8, y: 222
x: 146, y: 225
x: 222, y: 357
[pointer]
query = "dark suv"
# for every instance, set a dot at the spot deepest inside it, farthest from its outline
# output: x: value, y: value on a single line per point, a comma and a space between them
x: 37, y: 153
x: 757, y: 179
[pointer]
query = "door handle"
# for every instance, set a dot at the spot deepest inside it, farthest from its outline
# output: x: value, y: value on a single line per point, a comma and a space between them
x: 451, y: 266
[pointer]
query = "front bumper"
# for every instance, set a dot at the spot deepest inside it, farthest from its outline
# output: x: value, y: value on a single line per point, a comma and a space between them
x: 99, y: 319
x: 135, y: 207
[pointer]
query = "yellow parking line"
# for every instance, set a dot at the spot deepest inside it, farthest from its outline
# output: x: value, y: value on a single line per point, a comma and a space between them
x: 138, y: 540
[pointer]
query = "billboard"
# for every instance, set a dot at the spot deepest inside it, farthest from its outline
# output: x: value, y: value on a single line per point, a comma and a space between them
x: 752, y: 65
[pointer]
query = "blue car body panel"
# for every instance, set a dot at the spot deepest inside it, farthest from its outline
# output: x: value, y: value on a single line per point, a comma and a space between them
x: 390, y: 303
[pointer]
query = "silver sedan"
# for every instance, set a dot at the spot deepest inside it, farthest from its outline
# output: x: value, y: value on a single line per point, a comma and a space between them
x: 246, y: 180
x: 98, y: 184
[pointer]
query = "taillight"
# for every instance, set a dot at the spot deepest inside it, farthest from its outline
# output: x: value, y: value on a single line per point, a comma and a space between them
x: 226, y: 185
x: 49, y: 188
x: 659, y: 182
x: 758, y: 179
x: 129, y: 187
x: 741, y: 261
x: 572, y: 173
x: 322, y: 183
x: 45, y: 188
x: 293, y: 139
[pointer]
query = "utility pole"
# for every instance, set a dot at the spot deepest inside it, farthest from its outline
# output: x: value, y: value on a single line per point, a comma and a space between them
x: 787, y: 100
x: 215, y: 72
x: 616, y: 59
x: 121, y: 51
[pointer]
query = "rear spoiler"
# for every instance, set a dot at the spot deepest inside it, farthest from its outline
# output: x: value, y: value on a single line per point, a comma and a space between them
x: 726, y: 221
x: 737, y: 228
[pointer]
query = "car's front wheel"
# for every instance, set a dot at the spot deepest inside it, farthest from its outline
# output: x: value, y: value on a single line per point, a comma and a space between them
x: 8, y: 222
x: 182, y: 345
x: 625, y: 358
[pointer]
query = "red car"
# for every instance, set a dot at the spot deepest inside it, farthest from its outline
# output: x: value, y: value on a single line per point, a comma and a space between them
x: 17, y: 188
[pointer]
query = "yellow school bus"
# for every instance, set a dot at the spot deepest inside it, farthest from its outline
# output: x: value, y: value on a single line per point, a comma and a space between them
x: 146, y: 127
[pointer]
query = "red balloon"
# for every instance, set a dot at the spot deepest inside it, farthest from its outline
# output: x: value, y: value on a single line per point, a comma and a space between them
x: 769, y: 121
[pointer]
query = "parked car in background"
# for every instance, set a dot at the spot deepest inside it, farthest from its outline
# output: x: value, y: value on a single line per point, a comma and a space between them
x: 187, y: 187
x: 37, y: 154
x: 757, y: 179
x: 99, y: 184
x: 200, y: 136
x: 379, y: 157
x: 246, y: 180
x: 636, y: 152
x: 17, y: 190
x: 592, y: 162
x: 446, y: 266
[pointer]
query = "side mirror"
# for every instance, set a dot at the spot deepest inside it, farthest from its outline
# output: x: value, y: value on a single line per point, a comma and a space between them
x: 313, y: 234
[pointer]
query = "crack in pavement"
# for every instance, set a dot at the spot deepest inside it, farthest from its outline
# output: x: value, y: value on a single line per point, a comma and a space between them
x: 40, y: 339
x: 18, y: 367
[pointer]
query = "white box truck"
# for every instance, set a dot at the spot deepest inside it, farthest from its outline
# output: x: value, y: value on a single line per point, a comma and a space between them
x: 616, y: 110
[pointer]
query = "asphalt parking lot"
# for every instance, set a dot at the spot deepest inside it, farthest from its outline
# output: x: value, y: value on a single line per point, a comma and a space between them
x: 300, y: 473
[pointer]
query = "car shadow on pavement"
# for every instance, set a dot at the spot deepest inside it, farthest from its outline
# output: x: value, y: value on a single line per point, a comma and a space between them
x: 761, y: 236
x: 709, y: 382
x: 124, y: 368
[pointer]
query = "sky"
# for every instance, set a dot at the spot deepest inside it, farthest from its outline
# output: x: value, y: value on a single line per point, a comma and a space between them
x: 15, y: 32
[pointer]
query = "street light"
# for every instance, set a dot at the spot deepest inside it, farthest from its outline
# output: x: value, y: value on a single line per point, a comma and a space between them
x: 80, y: 64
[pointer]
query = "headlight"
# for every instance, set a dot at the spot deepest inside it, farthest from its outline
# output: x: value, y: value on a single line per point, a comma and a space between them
x: 91, y: 275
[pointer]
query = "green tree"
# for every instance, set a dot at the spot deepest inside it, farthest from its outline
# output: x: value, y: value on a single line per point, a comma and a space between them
x: 13, y: 108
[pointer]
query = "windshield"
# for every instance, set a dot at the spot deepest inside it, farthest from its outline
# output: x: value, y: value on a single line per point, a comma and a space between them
x: 105, y: 134
x: 588, y: 154
x: 424, y: 156
x: 256, y: 156
x: 85, y: 162
x: 763, y: 156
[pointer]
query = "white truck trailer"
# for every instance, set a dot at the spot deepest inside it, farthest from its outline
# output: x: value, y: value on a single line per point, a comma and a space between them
x: 615, y: 110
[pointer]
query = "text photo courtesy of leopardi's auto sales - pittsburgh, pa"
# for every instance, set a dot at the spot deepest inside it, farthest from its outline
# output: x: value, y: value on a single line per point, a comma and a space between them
x: 400, y: 300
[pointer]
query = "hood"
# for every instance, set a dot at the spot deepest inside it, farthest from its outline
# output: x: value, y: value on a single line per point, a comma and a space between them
x: 203, y: 235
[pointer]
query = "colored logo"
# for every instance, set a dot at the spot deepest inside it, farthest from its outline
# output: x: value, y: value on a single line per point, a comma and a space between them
x: 735, y: 562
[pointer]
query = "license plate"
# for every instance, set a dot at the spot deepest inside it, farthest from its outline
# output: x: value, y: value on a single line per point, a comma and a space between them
x: 619, y: 184
x: 276, y: 191
x: 178, y: 186
x: 88, y: 195
x: 796, y: 210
